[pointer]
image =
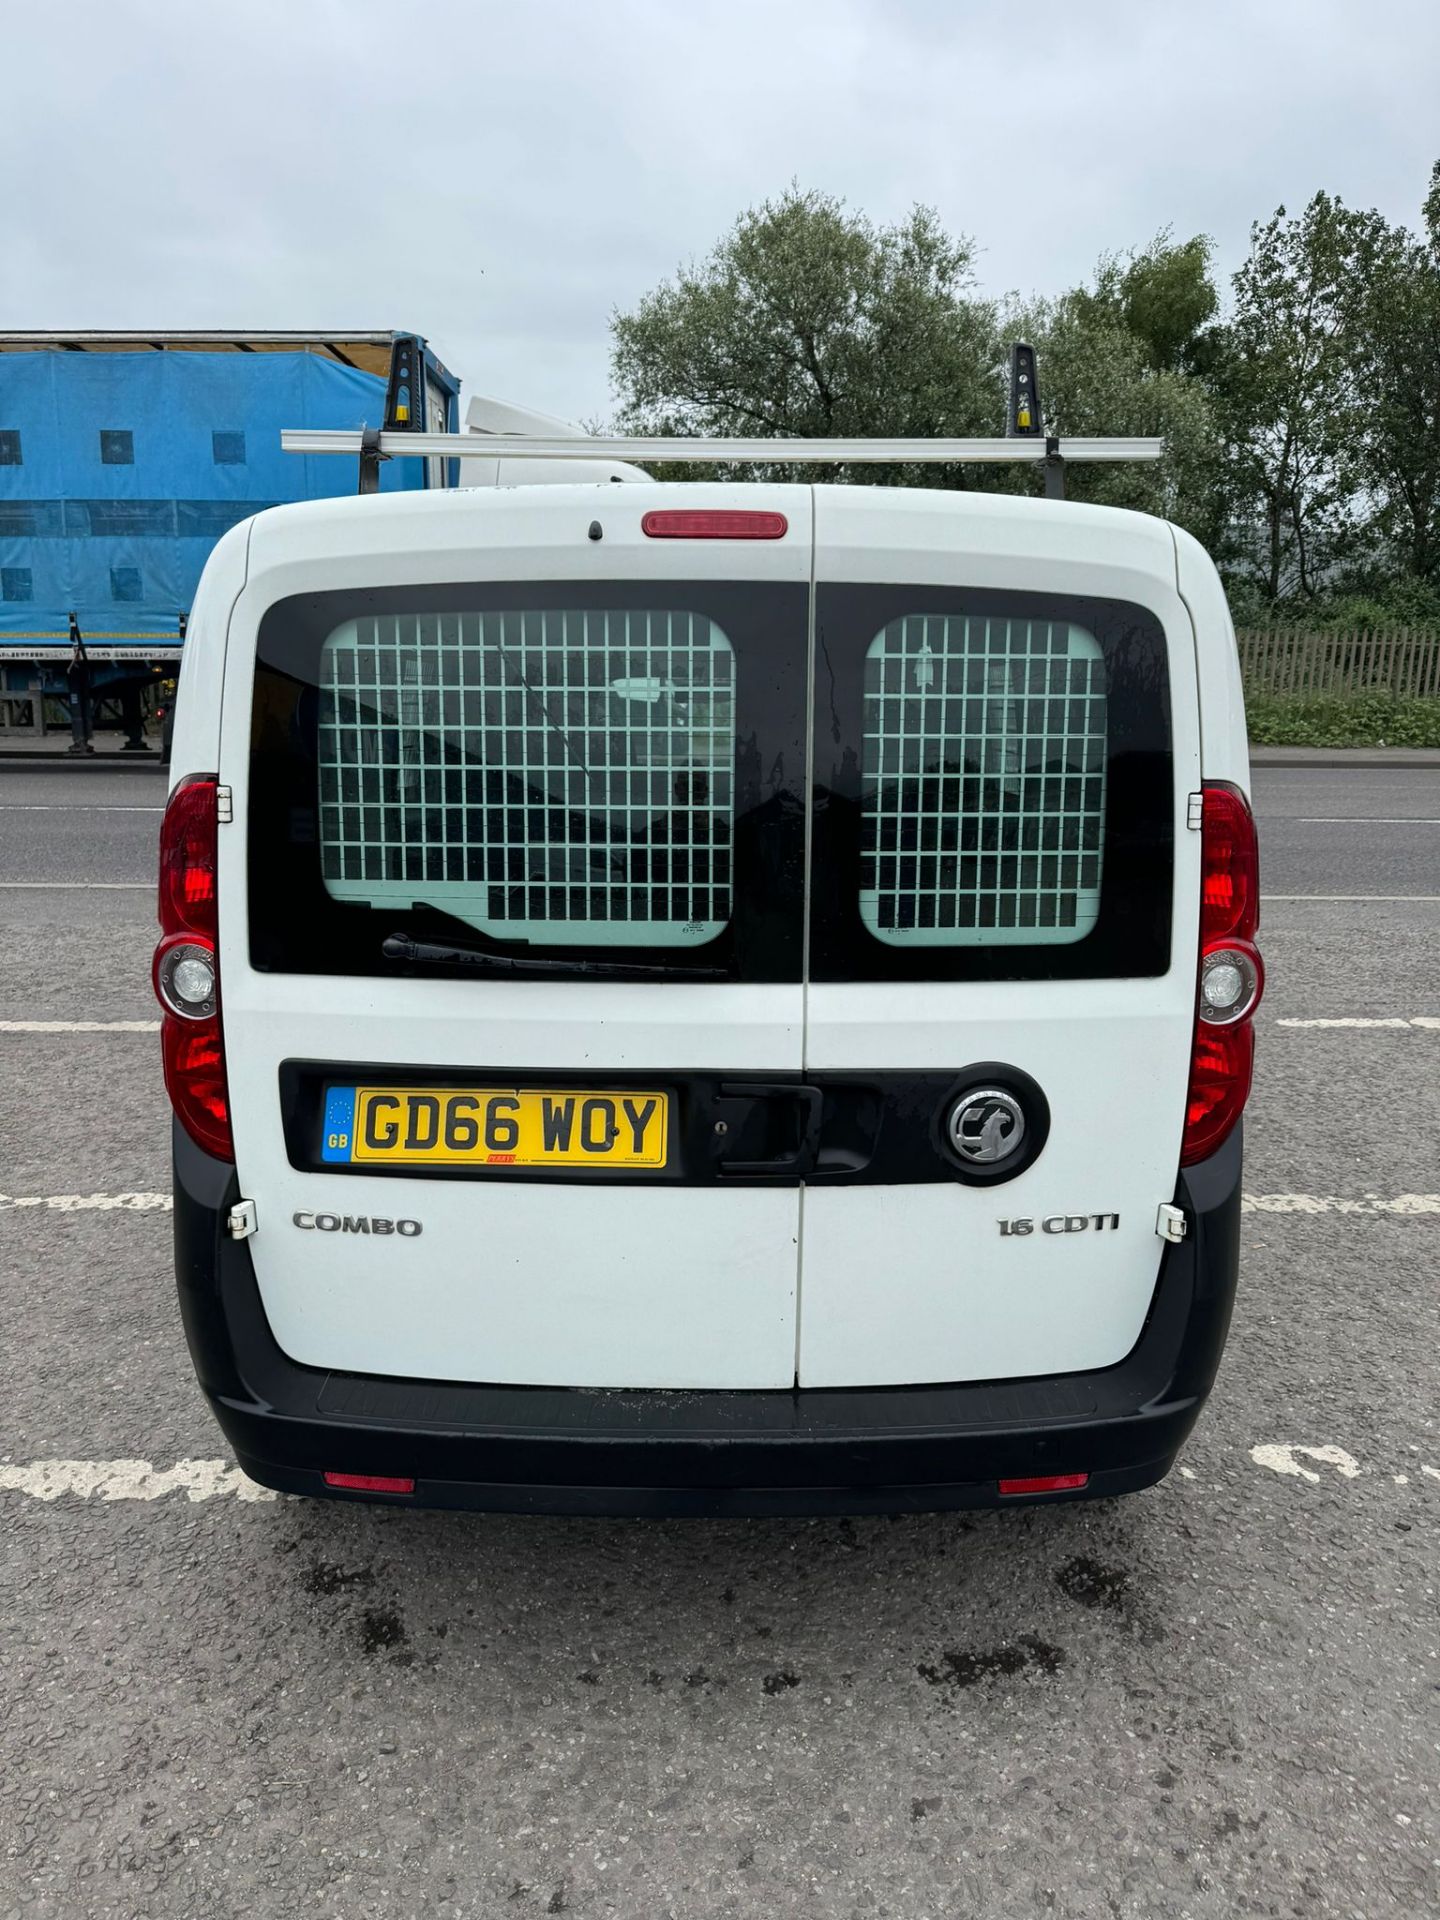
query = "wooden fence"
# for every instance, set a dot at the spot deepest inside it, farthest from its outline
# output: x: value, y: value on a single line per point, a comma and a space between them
x: 1399, y: 660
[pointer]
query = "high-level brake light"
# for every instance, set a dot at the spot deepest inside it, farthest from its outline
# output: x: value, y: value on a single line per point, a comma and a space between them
x: 1231, y: 973
x: 186, y: 970
x: 706, y: 523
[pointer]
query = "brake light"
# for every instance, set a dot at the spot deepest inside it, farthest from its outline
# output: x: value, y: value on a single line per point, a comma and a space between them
x: 1229, y: 865
x: 1231, y: 973
x: 186, y: 969
x: 705, y: 523
x: 187, y: 858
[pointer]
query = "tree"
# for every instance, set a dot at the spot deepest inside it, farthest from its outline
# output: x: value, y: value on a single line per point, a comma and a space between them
x: 1285, y: 379
x: 1163, y: 297
x: 806, y: 320
x: 1120, y: 357
x: 1394, y: 333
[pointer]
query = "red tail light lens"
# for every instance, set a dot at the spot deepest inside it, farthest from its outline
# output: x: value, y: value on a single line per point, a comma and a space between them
x: 188, y: 837
x: 1232, y: 974
x: 1230, y: 866
x: 1220, y: 1068
x: 702, y: 523
x: 193, y: 1054
x: 192, y: 1047
x: 1046, y: 1483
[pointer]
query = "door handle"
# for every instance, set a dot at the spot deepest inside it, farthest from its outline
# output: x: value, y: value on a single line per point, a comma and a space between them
x: 810, y: 1101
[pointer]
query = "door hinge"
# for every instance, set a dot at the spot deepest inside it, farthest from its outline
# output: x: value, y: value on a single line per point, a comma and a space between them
x: 1194, y: 811
x: 242, y: 1221
x: 1170, y: 1222
x: 224, y: 806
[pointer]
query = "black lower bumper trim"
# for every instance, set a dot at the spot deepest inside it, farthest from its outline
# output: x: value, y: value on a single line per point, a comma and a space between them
x: 700, y: 1502
x: 574, y: 1450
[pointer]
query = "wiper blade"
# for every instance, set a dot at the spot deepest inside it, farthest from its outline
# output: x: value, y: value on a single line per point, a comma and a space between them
x: 400, y: 946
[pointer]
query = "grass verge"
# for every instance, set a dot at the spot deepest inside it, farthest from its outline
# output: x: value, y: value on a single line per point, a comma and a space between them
x: 1365, y: 720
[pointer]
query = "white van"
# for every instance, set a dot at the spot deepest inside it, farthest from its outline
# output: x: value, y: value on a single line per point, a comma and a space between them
x: 711, y: 998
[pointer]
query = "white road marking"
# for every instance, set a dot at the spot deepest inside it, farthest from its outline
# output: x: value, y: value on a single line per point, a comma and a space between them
x: 1361, y: 820
x: 1281, y: 1459
x: 1332, y: 897
x: 1422, y: 1020
x: 11, y: 807
x: 113, y: 1480
x: 1401, y: 1203
x: 78, y: 886
x: 90, y: 1202
x: 79, y: 1026
x: 131, y: 1480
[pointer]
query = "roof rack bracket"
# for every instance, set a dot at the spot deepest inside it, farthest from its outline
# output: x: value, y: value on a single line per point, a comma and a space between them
x: 370, y: 458
x: 1054, y: 469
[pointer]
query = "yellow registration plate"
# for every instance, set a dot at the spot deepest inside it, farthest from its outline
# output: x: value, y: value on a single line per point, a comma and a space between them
x: 495, y: 1127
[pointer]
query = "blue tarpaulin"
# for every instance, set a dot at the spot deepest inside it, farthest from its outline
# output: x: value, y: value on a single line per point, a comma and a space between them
x: 119, y: 471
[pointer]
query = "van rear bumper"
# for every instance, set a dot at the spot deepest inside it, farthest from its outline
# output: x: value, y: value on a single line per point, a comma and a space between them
x: 574, y: 1450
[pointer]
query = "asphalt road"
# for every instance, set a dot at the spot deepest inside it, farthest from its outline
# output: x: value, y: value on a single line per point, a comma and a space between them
x: 1218, y: 1697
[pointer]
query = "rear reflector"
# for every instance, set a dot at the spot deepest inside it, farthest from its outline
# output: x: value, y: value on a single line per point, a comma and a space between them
x: 369, y: 1483
x: 700, y: 523
x: 1047, y: 1483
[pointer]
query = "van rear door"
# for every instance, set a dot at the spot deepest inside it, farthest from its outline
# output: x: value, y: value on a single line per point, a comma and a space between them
x: 512, y: 934
x: 1004, y: 900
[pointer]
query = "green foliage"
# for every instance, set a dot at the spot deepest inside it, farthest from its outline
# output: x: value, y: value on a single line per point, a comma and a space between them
x: 1285, y: 384
x: 1163, y: 297
x: 1096, y: 377
x: 1301, y: 425
x: 1367, y: 720
x: 807, y: 320
x: 1394, y: 335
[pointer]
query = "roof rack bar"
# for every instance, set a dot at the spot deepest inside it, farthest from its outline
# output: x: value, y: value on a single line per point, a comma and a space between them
x: 504, y: 446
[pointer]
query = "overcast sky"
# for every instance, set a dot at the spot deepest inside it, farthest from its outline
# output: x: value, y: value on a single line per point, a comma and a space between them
x: 501, y: 177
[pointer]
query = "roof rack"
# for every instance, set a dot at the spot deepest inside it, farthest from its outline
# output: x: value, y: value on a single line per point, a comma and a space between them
x: 1025, y: 440
x: 517, y: 446
x: 1051, y: 452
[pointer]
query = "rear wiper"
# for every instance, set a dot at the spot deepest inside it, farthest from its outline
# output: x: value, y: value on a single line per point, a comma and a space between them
x: 400, y: 946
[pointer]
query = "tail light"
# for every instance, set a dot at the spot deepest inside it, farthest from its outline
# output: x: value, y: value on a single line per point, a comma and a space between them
x: 186, y: 968
x: 1231, y: 974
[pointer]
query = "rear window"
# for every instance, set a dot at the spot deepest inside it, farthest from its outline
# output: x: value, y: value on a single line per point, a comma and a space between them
x: 983, y: 782
x: 994, y: 786
x: 576, y: 773
x: 561, y: 775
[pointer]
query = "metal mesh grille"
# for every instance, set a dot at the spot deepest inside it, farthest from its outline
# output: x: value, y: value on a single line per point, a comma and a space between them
x: 564, y: 777
x: 984, y: 782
